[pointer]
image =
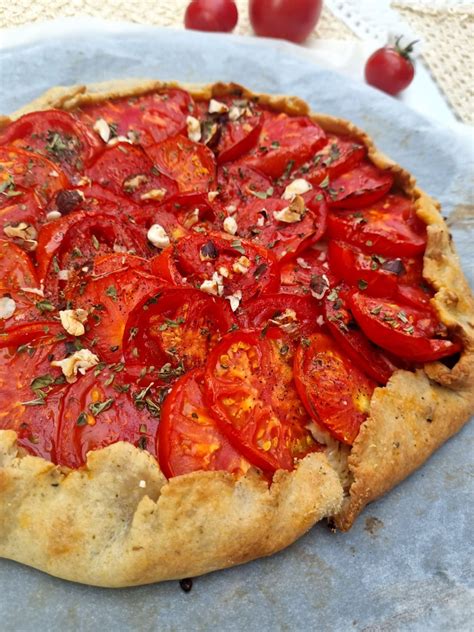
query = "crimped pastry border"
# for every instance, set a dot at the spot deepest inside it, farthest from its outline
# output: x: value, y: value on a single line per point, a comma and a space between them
x: 99, y: 525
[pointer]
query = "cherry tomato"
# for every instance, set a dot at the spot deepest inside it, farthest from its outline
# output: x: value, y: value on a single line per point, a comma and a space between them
x: 388, y: 227
x: 259, y: 222
x: 240, y: 266
x: 373, y: 362
x: 102, y: 410
x: 189, y: 438
x: 31, y: 390
x: 211, y: 15
x: 401, y: 329
x: 293, y: 20
x: 335, y: 392
x: 390, y: 68
x: 109, y: 299
x: 374, y: 273
x: 146, y: 119
x: 363, y: 185
x: 56, y: 134
x: 126, y: 170
x: 251, y: 392
x: 418, y: 296
x: 309, y: 273
x: 285, y: 142
x: 190, y: 164
x: 175, y: 328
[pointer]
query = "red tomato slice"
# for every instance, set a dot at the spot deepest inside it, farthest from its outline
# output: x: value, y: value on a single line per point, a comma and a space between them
x: 164, y: 267
x: 239, y: 184
x: 258, y: 221
x: 230, y: 134
x: 335, y: 392
x: 190, y: 164
x: 88, y: 237
x: 24, y: 170
x: 118, y: 262
x: 291, y: 316
x: 25, y: 207
x: 285, y: 142
x: 189, y: 438
x: 126, y: 170
x: 389, y: 227
x: 252, y: 394
x: 175, y: 329
x: 92, y: 198
x: 403, y: 330
x: 56, y: 134
x: 339, y: 154
x: 307, y: 274
x: 147, y: 119
x: 373, y: 362
x: 363, y: 185
x: 250, y: 269
x: 16, y: 268
x: 416, y: 296
x: 374, y: 273
x: 100, y: 410
x: 31, y: 390
x: 109, y: 300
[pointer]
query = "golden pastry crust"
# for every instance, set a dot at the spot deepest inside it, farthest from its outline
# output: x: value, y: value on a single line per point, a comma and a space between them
x: 118, y: 522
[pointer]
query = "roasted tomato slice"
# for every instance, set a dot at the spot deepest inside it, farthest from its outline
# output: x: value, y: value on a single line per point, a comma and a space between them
x: 175, y: 329
x: 126, y: 170
x: 339, y: 154
x: 363, y: 185
x: 352, y: 341
x: 389, y: 227
x: 374, y: 273
x: 231, y: 132
x: 285, y: 227
x: 25, y: 207
x: 191, y: 165
x: 401, y: 329
x: 19, y: 287
x: 102, y: 409
x: 189, y: 438
x: 418, y: 296
x: 24, y: 170
x: 335, y: 392
x: 239, y: 184
x: 222, y: 265
x: 56, y: 134
x: 109, y: 299
x: 119, y: 262
x: 16, y: 268
x: 252, y: 394
x: 285, y: 142
x: 307, y: 274
x: 31, y: 390
x: 79, y: 242
x: 283, y: 316
x: 146, y: 119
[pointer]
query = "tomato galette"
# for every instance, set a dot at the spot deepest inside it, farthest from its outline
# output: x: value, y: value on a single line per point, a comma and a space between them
x: 222, y: 319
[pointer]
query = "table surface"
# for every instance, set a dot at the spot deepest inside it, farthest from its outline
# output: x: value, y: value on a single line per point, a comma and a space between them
x: 407, y: 563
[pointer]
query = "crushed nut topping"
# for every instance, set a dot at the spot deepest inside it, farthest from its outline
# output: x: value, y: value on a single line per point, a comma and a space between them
x: 73, y: 321
x: 78, y: 362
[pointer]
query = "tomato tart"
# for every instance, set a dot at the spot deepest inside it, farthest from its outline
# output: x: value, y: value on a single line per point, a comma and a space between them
x: 223, y: 318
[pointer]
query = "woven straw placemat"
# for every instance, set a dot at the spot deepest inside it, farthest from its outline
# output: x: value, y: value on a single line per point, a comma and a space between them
x: 447, y: 32
x: 448, y: 49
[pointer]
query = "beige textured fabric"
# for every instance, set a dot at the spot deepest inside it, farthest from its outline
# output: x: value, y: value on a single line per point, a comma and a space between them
x: 448, y: 34
x: 158, y: 12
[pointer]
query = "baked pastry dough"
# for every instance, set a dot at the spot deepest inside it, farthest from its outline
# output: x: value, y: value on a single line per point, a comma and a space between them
x: 118, y: 522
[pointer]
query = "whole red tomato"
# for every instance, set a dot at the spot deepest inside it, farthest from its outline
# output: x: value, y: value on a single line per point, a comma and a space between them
x: 286, y: 19
x: 211, y: 15
x: 390, y: 68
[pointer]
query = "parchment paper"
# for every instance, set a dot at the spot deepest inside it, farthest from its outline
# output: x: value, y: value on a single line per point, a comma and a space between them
x: 407, y: 563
